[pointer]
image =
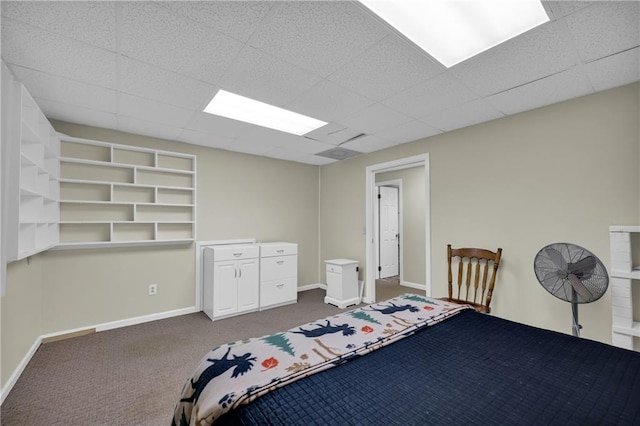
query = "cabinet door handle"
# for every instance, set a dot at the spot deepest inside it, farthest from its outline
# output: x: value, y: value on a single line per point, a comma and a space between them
x: 280, y: 285
x: 280, y: 262
x: 240, y: 273
x: 235, y: 273
x: 237, y: 254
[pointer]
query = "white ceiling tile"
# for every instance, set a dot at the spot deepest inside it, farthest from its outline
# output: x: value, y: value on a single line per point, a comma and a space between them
x: 237, y: 19
x: 255, y: 147
x: 304, y: 145
x: 606, y: 28
x: 285, y: 154
x: 408, y: 132
x: 214, y: 124
x: 389, y: 67
x: 55, y: 54
x: 153, y: 111
x: 263, y: 77
x: 204, y: 139
x: 329, y: 102
x: 147, y: 81
x: 374, y: 119
x: 471, y: 113
x: 543, y: 51
x: 440, y: 92
x: 92, y: 22
x: 563, y: 8
x: 157, y: 36
x: 316, y: 160
x: 60, y: 89
x: 368, y: 144
x: 147, y: 128
x: 74, y: 114
x: 616, y: 70
x: 556, y: 88
x: 318, y: 36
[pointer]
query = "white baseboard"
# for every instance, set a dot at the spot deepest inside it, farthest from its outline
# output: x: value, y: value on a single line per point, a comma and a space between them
x: 414, y: 285
x: 312, y: 286
x: 98, y: 327
x: 19, y: 369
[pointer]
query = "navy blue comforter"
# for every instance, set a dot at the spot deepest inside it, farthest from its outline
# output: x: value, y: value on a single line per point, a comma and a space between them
x: 470, y: 369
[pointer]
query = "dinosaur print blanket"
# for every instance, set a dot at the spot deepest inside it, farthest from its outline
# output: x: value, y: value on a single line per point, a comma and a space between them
x: 239, y: 372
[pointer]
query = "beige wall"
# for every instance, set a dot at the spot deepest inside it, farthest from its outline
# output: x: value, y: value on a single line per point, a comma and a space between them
x: 413, y: 221
x: 238, y: 195
x: 565, y: 172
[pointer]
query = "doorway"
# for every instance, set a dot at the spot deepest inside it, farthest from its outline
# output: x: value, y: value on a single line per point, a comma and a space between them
x: 422, y: 250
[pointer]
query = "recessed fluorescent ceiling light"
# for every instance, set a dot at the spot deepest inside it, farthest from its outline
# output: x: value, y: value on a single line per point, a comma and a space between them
x: 454, y: 30
x: 238, y: 107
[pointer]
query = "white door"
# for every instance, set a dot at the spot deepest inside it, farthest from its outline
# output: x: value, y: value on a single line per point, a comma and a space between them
x: 389, y: 237
x: 225, y: 289
x: 248, y: 285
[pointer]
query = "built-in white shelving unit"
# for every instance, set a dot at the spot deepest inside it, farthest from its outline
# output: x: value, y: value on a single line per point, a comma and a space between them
x: 113, y: 195
x: 625, y: 272
x: 31, y: 173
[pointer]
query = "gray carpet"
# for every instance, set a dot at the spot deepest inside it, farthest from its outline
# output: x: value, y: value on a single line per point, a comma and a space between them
x: 133, y: 375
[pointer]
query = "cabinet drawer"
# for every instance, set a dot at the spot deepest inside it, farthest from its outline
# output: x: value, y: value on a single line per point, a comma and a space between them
x: 272, y: 268
x: 235, y: 252
x: 278, y: 291
x: 278, y: 249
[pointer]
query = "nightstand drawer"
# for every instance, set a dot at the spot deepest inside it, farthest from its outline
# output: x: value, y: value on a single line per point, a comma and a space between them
x: 278, y: 249
x: 272, y: 268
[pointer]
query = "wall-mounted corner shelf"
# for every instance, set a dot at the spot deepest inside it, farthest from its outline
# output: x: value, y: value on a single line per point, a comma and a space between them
x: 117, y: 195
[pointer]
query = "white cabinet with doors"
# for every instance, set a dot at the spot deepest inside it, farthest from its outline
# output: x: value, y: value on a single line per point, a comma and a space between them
x: 231, y: 280
x: 278, y: 274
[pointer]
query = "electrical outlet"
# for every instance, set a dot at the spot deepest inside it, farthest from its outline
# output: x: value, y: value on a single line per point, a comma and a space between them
x: 153, y: 289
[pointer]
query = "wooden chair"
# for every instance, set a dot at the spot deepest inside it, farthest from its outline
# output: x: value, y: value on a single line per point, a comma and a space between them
x: 475, y: 293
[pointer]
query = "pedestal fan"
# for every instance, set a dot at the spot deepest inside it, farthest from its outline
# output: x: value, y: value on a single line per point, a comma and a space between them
x: 571, y: 273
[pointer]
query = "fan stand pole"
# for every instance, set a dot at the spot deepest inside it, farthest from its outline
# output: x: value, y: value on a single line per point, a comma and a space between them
x: 574, y: 310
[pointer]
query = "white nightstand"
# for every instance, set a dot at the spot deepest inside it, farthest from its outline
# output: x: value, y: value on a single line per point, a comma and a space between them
x: 342, y: 282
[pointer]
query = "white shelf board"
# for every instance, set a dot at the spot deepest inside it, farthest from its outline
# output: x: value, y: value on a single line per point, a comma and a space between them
x: 633, y: 331
x: 107, y: 244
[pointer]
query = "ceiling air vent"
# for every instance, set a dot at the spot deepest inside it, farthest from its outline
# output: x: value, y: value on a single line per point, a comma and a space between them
x: 338, y: 153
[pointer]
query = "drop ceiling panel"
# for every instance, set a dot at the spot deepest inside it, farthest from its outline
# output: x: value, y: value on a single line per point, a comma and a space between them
x: 616, y: 70
x: 237, y: 19
x: 328, y: 101
x: 565, y: 85
x: 147, y: 128
x: 147, y: 81
x: 91, y: 22
x: 59, y: 89
x: 75, y: 114
x: 318, y: 36
x: 563, y: 8
x: 374, y: 119
x: 440, y: 92
x: 145, y: 109
x: 37, y: 49
x: 389, y: 67
x: 593, y: 33
x: 251, y: 147
x: 208, y: 139
x: 155, y: 35
x: 473, y: 112
x: 368, y: 144
x: 408, y: 132
x: 543, y: 51
x: 265, y: 78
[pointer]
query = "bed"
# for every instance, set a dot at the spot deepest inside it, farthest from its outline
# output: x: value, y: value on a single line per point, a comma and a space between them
x: 413, y: 360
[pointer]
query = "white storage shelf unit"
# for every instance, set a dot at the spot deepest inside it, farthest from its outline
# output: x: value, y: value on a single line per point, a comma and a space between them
x: 31, y: 171
x: 625, y: 274
x: 114, y: 194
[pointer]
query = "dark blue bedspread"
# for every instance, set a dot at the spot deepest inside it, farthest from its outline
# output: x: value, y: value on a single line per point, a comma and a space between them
x: 470, y: 369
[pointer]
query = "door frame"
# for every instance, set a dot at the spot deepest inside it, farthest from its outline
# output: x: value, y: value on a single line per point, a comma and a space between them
x: 402, y: 163
x: 396, y: 183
